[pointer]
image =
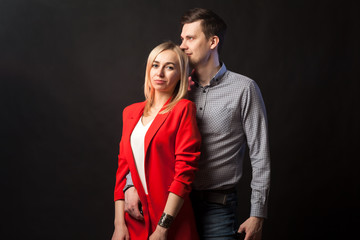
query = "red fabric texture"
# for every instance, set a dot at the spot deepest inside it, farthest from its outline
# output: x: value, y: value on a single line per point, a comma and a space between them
x: 172, y: 146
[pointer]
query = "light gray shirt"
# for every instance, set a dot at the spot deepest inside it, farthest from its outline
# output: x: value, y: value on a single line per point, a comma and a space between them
x: 231, y: 116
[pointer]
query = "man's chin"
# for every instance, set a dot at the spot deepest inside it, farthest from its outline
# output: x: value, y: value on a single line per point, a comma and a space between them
x: 192, y: 64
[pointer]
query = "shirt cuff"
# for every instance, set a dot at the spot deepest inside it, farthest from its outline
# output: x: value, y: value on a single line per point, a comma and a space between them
x: 258, y: 211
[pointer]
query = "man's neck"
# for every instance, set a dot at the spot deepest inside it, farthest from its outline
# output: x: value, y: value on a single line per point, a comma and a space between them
x: 206, y: 71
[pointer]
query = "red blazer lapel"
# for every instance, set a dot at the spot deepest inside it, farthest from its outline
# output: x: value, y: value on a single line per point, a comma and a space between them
x: 156, y: 124
x: 131, y: 121
x: 133, y: 118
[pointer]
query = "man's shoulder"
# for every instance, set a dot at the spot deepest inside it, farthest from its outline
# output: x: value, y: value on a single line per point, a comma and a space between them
x: 238, y: 76
x: 238, y: 79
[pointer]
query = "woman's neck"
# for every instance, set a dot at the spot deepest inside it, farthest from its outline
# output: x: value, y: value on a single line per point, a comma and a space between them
x: 160, y: 99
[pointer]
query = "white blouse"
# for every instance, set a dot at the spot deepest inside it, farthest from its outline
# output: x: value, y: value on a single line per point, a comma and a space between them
x: 137, y: 141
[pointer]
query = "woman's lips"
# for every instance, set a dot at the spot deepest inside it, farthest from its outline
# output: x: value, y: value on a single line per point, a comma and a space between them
x: 159, y: 81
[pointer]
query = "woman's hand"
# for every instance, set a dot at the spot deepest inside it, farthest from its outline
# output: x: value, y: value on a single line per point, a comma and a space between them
x: 160, y: 233
x: 121, y: 233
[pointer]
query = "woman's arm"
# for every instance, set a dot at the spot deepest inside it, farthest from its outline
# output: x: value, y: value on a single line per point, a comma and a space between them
x: 187, y: 151
x: 173, y: 204
x: 121, y: 232
x: 172, y: 208
x: 186, y: 155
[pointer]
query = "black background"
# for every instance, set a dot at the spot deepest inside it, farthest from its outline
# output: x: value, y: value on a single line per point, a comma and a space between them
x: 68, y: 68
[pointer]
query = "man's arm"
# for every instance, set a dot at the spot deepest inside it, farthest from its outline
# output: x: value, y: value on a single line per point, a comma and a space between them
x: 132, y: 200
x: 129, y: 182
x: 256, y: 130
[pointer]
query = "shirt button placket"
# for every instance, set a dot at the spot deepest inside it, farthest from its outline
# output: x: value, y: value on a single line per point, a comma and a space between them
x: 203, y: 100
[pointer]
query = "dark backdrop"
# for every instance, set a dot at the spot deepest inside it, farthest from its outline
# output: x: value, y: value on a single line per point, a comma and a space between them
x: 69, y: 67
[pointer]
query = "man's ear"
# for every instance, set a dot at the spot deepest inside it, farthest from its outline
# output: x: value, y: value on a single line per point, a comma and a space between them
x: 214, y: 42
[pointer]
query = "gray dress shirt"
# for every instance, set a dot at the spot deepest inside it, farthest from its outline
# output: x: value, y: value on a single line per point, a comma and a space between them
x: 231, y: 116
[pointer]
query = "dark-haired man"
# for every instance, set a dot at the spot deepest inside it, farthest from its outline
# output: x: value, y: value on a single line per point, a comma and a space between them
x: 231, y: 116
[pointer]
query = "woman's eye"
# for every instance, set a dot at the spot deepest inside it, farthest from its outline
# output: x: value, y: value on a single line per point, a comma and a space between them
x: 155, y: 65
x: 170, y: 67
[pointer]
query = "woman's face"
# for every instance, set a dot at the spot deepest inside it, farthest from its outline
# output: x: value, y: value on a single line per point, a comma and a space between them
x: 165, y: 72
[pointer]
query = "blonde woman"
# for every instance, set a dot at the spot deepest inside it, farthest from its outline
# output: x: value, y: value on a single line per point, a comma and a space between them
x: 160, y: 147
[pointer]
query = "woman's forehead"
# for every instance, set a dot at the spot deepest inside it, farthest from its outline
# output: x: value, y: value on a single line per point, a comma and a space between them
x: 167, y: 56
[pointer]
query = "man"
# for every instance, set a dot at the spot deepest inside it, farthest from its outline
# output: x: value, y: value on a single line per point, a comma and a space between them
x: 231, y: 115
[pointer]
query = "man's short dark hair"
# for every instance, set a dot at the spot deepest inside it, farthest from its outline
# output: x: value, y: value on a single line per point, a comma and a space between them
x: 211, y: 23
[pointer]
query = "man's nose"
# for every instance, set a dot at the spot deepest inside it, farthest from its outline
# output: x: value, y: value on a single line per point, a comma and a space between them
x: 183, y: 45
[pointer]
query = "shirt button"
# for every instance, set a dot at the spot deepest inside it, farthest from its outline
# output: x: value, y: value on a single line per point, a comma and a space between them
x: 204, y: 91
x: 201, y: 108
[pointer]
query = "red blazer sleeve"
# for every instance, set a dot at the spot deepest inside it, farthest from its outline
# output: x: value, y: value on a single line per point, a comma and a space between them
x: 187, y: 151
x: 123, y: 168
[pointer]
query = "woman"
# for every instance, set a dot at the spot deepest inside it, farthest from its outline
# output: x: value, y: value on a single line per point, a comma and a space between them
x: 160, y: 147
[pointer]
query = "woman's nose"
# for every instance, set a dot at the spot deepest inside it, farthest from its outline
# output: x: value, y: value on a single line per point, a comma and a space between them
x: 160, y: 71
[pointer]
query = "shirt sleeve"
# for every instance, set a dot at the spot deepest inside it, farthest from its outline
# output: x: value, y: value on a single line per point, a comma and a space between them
x: 256, y: 130
x: 187, y: 151
x: 129, y: 181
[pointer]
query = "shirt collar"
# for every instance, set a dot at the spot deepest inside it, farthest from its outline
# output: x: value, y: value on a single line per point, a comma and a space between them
x: 219, y: 75
x: 217, y: 78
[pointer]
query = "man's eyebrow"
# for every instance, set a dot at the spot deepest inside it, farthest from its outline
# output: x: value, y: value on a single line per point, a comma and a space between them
x: 187, y: 36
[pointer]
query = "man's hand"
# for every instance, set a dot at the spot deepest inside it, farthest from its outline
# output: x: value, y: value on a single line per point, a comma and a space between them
x: 132, y: 201
x: 252, y: 228
x: 191, y: 82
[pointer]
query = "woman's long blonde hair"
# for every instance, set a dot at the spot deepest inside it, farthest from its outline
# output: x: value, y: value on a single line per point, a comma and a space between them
x: 181, y: 88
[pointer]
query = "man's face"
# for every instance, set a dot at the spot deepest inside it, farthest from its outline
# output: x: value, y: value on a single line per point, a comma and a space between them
x: 195, y: 44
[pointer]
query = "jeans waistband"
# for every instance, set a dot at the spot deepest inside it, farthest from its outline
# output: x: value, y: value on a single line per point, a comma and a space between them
x: 213, y: 196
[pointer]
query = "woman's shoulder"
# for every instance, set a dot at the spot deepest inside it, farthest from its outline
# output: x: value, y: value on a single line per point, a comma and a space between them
x: 184, y: 104
x: 133, y: 107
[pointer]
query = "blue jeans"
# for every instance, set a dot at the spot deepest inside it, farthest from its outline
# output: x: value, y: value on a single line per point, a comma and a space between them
x: 216, y: 221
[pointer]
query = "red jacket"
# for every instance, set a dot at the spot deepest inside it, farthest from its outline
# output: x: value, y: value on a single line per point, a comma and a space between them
x: 172, y: 146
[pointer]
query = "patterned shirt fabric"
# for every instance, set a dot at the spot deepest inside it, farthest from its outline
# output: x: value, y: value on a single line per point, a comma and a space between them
x: 231, y: 116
